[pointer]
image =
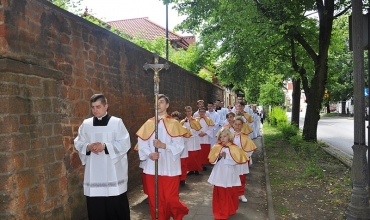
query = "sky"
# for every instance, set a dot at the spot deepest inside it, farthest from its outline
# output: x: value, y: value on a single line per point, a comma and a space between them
x: 113, y: 10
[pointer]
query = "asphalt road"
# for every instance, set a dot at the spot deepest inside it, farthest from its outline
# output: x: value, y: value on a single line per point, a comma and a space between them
x: 336, y: 131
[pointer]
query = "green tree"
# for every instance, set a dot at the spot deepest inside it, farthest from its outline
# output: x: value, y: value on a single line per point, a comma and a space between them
x: 70, y: 5
x: 340, y: 80
x: 191, y: 59
x: 271, y: 95
x: 205, y: 74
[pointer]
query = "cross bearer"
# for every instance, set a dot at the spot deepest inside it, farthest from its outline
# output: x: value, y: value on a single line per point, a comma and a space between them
x: 170, y: 145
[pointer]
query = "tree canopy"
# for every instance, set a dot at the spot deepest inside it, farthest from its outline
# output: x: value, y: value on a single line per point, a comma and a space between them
x: 257, y: 38
x: 70, y: 5
x: 252, y: 40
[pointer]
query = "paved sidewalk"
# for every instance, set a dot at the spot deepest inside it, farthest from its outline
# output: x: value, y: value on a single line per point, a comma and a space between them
x: 197, y: 194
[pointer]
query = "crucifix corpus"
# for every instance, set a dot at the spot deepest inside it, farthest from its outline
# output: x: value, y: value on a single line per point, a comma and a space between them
x: 156, y: 67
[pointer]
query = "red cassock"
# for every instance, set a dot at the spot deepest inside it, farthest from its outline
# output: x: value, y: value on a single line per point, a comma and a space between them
x: 225, y: 202
x: 204, y: 152
x: 184, y: 168
x: 169, y: 204
x: 243, y: 181
x: 193, y: 161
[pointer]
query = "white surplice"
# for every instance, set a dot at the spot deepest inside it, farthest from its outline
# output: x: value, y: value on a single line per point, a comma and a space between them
x: 257, y: 122
x: 224, y: 172
x: 216, y: 120
x: 241, y: 168
x: 222, y: 112
x: 206, y: 129
x: 105, y: 174
x: 169, y: 158
x: 193, y: 143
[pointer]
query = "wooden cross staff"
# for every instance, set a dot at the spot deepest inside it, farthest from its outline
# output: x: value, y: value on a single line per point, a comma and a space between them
x: 156, y: 67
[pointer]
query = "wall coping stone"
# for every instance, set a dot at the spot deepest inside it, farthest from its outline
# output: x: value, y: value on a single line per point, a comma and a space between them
x: 15, y: 66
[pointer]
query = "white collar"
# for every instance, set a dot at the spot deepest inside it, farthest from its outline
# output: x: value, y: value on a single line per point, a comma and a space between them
x: 102, y: 116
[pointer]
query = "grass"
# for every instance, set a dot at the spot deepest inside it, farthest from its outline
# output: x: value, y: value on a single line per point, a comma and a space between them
x: 334, y: 114
x: 306, y: 182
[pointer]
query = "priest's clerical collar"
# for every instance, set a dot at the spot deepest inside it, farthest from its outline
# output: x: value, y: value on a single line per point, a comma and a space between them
x: 102, y: 117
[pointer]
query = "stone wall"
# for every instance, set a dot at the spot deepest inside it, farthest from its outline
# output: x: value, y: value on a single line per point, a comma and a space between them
x: 51, y: 62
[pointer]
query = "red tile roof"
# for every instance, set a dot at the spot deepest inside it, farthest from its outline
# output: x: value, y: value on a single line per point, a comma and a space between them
x: 143, y: 27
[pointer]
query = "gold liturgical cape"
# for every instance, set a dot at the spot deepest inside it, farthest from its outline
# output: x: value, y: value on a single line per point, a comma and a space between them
x: 246, y: 129
x: 194, y: 123
x: 145, y: 131
x: 188, y: 132
x: 173, y: 128
x: 208, y: 121
x: 236, y: 153
x: 248, y: 117
x: 246, y: 142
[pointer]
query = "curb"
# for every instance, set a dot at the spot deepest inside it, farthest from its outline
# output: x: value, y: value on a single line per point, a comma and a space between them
x: 270, y: 204
x: 345, y: 158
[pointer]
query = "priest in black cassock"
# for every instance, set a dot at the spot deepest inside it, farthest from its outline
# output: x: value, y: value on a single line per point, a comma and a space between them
x: 102, y: 144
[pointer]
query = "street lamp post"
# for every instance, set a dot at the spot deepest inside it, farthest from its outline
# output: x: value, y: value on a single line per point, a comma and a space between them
x: 358, y: 208
x: 167, y: 31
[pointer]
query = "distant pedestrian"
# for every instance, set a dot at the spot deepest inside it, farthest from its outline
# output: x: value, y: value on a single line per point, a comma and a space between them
x: 262, y: 116
x: 225, y: 155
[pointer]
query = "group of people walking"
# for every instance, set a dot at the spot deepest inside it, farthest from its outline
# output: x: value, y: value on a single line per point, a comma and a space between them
x: 213, y: 136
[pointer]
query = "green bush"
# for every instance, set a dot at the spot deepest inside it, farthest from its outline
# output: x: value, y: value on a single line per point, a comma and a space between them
x: 288, y: 130
x: 299, y: 145
x: 277, y: 117
x: 304, y: 149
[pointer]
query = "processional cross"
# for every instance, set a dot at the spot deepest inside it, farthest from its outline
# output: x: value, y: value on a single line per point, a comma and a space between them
x: 156, y: 67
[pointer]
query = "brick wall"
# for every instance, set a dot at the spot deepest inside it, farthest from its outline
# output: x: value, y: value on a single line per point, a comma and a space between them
x: 51, y: 62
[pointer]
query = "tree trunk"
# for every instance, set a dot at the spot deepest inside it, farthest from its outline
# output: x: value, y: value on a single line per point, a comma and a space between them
x: 343, y: 104
x: 314, y: 101
x: 318, y: 82
x: 327, y: 108
x: 311, y: 120
x: 296, y: 99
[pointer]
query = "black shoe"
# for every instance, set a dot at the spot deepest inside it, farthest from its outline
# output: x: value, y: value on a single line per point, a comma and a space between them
x: 190, y: 173
x: 196, y: 173
x: 204, y: 168
x: 182, y: 183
